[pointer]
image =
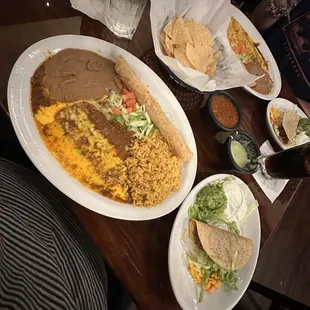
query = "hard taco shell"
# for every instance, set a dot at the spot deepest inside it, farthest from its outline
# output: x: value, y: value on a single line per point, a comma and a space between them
x: 228, y: 250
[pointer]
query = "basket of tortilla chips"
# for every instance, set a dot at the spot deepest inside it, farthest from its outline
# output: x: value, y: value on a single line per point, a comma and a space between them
x: 190, y: 39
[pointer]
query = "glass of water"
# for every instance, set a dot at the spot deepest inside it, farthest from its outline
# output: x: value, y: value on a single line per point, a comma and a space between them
x: 123, y: 16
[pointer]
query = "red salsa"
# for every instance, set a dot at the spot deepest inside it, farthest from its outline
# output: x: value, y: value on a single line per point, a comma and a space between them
x: 224, y: 111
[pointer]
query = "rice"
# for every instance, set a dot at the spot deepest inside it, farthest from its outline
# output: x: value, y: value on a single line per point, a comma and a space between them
x: 154, y: 171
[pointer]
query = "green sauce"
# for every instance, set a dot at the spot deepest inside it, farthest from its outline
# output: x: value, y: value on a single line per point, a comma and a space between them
x: 239, y: 154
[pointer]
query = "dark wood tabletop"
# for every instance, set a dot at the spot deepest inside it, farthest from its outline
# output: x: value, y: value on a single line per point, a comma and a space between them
x: 137, y: 252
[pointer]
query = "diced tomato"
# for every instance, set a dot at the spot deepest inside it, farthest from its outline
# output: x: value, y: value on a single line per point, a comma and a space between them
x: 128, y: 96
x: 240, y: 49
x: 131, y: 104
x: 116, y: 111
x: 129, y: 110
x: 211, y: 288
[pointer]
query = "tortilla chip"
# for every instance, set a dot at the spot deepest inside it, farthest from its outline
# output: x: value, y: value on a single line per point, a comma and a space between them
x: 200, y: 57
x: 191, y: 26
x: 200, y: 34
x: 162, y: 37
x: 290, y: 123
x: 169, y: 27
x: 166, y: 43
x: 180, y: 34
x: 180, y: 56
x: 190, y: 22
x: 216, y: 54
x: 211, y: 68
x: 169, y: 45
x: 228, y: 250
x: 191, y: 44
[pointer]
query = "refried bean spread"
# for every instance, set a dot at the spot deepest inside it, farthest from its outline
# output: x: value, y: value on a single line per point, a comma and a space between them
x: 74, y: 74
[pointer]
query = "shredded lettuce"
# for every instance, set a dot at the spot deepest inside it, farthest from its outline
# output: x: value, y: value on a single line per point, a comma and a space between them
x: 202, y: 261
x: 219, y: 221
x: 304, y: 126
x: 138, y: 121
x: 243, y: 57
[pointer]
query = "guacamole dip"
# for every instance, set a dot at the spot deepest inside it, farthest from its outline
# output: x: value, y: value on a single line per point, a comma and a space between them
x: 210, y: 205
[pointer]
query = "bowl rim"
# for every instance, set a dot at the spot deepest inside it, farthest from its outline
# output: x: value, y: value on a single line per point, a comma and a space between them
x: 235, y: 165
x: 234, y: 102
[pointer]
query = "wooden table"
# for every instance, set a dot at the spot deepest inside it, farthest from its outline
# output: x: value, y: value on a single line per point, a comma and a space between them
x: 137, y: 251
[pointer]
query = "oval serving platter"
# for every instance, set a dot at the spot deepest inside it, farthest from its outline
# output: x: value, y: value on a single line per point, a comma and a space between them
x: 28, y: 135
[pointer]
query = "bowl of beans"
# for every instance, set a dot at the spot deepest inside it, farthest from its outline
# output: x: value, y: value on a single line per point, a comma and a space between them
x: 224, y: 111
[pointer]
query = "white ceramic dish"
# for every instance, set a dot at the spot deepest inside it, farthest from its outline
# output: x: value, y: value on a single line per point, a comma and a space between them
x: 28, y: 135
x: 184, y: 288
x: 283, y: 104
x: 263, y: 47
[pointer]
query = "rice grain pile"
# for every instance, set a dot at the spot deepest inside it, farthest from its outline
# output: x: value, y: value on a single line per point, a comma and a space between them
x: 153, y: 170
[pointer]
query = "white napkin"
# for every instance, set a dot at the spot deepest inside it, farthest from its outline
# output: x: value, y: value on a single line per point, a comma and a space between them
x: 92, y: 8
x: 271, y: 187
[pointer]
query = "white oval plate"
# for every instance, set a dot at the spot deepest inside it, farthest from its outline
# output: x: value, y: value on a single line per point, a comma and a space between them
x: 183, y: 287
x: 263, y: 47
x: 282, y: 104
x: 28, y: 135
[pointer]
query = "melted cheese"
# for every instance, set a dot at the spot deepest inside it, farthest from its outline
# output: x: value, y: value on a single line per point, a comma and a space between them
x: 95, y: 163
x: 46, y: 115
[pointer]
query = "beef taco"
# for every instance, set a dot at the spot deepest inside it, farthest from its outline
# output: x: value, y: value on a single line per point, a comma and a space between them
x: 285, y: 124
x: 215, y: 256
x: 228, y: 250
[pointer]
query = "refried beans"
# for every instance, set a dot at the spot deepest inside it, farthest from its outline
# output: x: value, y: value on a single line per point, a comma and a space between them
x: 74, y: 74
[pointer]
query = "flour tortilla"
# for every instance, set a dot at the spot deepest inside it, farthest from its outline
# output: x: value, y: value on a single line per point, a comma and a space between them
x: 228, y: 250
x: 237, y: 35
x: 154, y: 110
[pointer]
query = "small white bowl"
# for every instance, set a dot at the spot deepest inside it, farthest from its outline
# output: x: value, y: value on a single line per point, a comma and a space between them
x: 282, y: 104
